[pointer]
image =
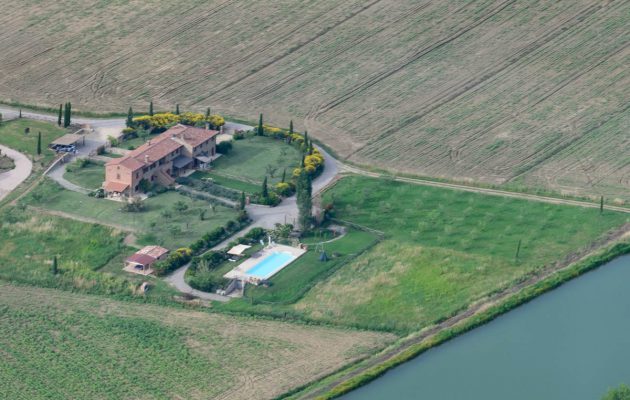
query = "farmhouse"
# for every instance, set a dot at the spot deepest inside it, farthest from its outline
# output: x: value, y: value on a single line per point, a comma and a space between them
x: 141, y: 261
x: 160, y: 160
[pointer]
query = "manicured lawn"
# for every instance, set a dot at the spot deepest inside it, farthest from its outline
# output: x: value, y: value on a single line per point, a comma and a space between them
x: 294, y: 280
x: 235, y: 184
x: 159, y: 224
x: 444, y: 249
x: 29, y: 241
x: 253, y: 158
x: 90, y: 176
x: 12, y: 135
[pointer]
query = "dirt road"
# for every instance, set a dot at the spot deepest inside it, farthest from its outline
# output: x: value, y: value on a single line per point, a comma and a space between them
x: 11, y: 179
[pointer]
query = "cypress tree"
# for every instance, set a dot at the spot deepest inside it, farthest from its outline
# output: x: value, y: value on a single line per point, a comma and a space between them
x: 67, y: 116
x: 207, y: 112
x: 177, y: 109
x: 303, y: 163
x: 54, y: 268
x: 518, y: 250
x: 265, y: 189
x: 129, y: 117
x: 60, y: 115
x: 20, y: 115
x: 291, y: 127
x: 284, y: 175
x: 242, y: 203
x: 151, y: 108
x: 39, y: 143
x: 261, y: 129
x: 601, y: 205
x: 304, y: 193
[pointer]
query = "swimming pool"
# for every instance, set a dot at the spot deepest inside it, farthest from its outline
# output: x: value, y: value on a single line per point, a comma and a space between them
x: 271, y: 264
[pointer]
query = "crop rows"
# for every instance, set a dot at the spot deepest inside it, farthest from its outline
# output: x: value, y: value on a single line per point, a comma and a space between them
x: 496, y: 91
x: 60, y: 345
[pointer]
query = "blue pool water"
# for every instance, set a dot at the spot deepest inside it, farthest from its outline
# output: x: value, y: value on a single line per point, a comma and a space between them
x: 270, y: 265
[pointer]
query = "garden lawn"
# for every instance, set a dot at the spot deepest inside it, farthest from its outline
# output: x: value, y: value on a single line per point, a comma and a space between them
x: 444, y: 249
x: 12, y: 135
x: 52, y: 340
x: 160, y: 224
x: 294, y: 280
x: 253, y: 158
x: 90, y: 176
x: 235, y: 184
x: 28, y: 243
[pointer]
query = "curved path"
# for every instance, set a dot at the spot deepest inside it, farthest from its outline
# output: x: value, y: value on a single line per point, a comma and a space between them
x: 11, y: 179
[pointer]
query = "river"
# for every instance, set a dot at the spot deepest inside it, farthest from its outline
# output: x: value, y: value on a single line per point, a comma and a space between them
x: 572, y: 343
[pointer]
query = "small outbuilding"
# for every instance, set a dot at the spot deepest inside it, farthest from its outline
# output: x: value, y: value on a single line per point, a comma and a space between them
x: 67, y: 141
x: 238, y: 250
x: 141, y: 261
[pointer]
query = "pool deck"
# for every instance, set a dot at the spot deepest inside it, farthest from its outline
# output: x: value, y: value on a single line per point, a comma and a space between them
x: 240, y: 272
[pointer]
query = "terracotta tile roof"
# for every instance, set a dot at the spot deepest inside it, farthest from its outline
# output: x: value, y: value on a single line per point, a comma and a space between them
x: 115, y: 186
x: 153, y: 251
x: 159, y: 147
x: 192, y: 136
x: 142, y: 259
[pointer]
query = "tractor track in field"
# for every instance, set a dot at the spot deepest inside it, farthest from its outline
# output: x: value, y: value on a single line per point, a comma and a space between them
x: 458, y: 90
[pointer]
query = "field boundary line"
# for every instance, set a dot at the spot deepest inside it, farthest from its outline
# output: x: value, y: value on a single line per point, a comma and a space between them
x: 83, y: 219
x: 488, y: 191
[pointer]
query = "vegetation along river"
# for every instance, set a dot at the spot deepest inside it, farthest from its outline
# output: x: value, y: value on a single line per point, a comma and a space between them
x: 572, y: 343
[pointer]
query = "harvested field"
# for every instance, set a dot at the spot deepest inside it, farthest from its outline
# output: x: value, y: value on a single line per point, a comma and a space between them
x: 496, y: 91
x: 57, y: 344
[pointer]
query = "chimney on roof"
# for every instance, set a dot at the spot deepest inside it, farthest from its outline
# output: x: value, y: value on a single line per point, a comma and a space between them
x: 146, y: 158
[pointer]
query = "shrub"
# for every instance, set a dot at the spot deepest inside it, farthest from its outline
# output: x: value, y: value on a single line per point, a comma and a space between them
x: 284, y: 189
x: 174, y: 260
x: 224, y: 147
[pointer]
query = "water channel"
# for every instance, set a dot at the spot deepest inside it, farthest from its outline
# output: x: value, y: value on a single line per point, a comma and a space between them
x: 572, y: 343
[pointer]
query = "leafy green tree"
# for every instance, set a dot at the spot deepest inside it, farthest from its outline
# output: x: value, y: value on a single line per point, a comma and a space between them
x: 60, y: 116
x: 261, y: 130
x: 130, y: 117
x: 180, y: 206
x: 39, y: 143
x: 620, y: 393
x: 151, y: 108
x: 304, y: 191
x: 265, y: 189
x: 54, y: 268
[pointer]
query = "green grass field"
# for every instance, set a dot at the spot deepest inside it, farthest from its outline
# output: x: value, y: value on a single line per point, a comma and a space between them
x: 12, y: 135
x: 29, y: 241
x: 235, y: 184
x: 256, y: 157
x: 90, y: 176
x: 64, y: 345
x: 174, y: 230
x: 293, y: 281
x: 443, y: 250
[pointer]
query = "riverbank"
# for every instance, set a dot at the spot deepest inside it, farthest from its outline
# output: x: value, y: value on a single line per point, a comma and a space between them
x: 362, y: 373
